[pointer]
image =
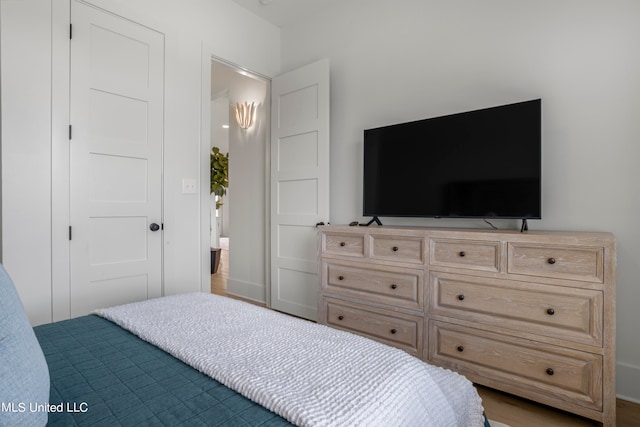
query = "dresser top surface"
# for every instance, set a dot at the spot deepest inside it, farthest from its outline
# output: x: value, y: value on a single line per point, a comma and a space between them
x: 579, y: 236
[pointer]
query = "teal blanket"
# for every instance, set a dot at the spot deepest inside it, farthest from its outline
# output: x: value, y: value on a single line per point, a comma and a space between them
x: 102, y: 375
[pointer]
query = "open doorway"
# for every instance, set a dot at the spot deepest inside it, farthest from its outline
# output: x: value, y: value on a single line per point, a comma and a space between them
x: 219, y: 208
x: 239, y: 223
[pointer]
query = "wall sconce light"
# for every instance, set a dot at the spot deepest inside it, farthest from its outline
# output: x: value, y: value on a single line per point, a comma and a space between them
x: 245, y: 114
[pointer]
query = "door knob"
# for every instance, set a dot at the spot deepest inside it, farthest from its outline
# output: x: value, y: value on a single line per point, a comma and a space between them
x: 154, y: 227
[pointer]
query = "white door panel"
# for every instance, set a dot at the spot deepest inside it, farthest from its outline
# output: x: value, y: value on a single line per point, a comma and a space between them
x: 118, y: 120
x: 299, y: 185
x: 115, y: 160
x: 298, y: 151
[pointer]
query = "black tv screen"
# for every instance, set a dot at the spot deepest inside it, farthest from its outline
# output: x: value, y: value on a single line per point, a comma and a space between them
x: 477, y: 164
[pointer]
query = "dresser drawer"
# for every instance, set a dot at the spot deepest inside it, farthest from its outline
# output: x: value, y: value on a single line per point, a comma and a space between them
x: 343, y: 244
x: 402, y: 287
x: 564, y: 262
x: 397, y: 248
x: 564, y: 313
x: 396, y: 329
x: 529, y: 367
x: 476, y: 255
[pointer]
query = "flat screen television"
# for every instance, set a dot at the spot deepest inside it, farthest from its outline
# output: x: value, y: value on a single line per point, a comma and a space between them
x: 477, y: 164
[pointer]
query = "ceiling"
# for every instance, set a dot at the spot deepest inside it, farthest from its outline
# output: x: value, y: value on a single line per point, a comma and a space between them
x: 285, y: 12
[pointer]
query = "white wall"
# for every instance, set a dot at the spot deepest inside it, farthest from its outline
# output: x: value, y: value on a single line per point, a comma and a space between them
x: 26, y: 151
x: 27, y: 130
x: 411, y: 59
x: 246, y: 199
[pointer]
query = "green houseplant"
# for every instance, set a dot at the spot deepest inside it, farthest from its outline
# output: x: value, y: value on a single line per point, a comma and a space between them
x: 219, y: 174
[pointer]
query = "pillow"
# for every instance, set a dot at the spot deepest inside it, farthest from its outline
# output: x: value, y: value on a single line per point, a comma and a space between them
x: 24, y: 374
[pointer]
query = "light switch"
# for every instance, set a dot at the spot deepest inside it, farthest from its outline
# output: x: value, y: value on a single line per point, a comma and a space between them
x: 189, y: 186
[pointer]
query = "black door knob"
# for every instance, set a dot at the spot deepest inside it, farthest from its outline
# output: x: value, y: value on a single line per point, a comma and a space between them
x: 154, y: 227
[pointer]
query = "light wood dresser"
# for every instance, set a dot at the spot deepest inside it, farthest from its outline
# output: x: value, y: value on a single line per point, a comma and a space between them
x: 532, y: 314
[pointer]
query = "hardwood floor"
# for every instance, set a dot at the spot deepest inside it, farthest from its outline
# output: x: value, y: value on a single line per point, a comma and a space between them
x: 518, y: 412
x: 499, y: 406
x: 219, y: 279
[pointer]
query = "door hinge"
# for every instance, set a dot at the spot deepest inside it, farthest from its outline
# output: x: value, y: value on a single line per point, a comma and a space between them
x: 69, y: 232
x: 70, y: 31
x: 69, y: 131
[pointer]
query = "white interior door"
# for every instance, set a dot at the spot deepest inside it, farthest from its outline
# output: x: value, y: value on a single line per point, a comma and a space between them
x: 115, y: 160
x: 299, y: 185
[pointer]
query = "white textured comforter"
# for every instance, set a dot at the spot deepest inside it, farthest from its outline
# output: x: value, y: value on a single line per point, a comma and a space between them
x: 310, y: 374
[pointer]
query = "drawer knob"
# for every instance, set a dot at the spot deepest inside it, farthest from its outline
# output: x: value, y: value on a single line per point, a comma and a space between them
x: 340, y: 277
x: 343, y: 244
x: 461, y: 297
x: 551, y: 311
x: 549, y: 371
x: 395, y: 249
x: 551, y: 261
x: 340, y: 317
x: 394, y: 286
x: 393, y: 331
x: 460, y: 348
x: 462, y: 253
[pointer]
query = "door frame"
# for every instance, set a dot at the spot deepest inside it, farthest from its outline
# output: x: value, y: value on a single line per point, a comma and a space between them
x: 208, y: 55
x: 60, y: 173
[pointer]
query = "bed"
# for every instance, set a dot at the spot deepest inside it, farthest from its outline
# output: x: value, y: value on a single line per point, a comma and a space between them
x: 200, y: 359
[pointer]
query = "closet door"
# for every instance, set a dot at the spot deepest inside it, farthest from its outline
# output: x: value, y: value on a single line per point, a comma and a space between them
x: 115, y: 160
x: 299, y: 185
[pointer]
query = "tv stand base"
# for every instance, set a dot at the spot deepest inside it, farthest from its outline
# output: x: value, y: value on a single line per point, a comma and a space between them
x: 374, y: 219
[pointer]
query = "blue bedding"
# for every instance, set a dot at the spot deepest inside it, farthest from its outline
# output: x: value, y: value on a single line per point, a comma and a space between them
x: 102, y: 375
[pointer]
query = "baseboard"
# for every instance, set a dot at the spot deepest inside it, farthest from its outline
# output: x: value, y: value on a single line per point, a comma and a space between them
x: 246, y: 290
x: 628, y: 382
